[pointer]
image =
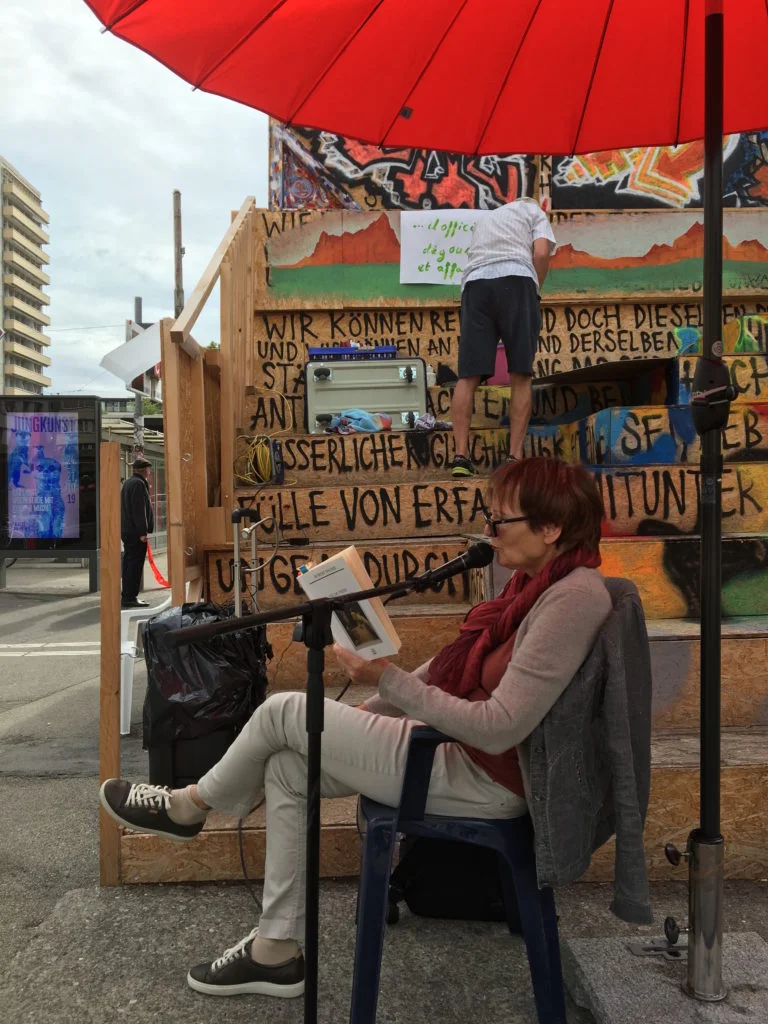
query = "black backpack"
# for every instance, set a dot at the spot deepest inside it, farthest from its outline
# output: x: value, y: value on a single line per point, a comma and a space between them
x: 448, y: 879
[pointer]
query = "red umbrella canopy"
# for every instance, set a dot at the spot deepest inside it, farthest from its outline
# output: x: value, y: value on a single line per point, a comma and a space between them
x: 472, y: 76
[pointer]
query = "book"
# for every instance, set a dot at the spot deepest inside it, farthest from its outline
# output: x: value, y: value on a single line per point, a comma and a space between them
x: 360, y: 626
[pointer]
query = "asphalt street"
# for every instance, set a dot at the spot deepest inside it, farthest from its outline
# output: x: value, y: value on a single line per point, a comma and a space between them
x: 49, y: 741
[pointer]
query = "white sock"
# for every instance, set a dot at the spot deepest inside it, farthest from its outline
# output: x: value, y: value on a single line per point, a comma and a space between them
x: 269, y: 952
x: 183, y: 809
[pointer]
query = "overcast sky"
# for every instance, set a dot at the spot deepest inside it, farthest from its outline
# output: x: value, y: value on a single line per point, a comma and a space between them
x: 106, y: 134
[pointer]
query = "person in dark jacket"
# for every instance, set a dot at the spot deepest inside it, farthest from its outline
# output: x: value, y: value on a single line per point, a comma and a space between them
x: 136, y: 523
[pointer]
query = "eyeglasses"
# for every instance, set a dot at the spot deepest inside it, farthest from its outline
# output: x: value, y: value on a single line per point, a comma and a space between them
x: 493, y: 524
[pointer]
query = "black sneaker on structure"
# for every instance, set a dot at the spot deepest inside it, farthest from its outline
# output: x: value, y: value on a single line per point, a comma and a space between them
x: 236, y: 973
x: 462, y: 466
x: 144, y: 808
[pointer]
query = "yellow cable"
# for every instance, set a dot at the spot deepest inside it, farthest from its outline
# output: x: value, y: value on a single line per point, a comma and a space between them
x: 254, y: 465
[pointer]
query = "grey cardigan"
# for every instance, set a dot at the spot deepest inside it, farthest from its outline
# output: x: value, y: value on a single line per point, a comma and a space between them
x: 589, y: 761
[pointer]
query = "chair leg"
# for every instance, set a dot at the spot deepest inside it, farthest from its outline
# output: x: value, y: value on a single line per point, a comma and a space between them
x: 549, y: 913
x: 522, y: 878
x: 372, y: 902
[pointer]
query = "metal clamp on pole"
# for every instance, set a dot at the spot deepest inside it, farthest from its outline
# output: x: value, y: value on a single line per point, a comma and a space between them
x: 712, y: 395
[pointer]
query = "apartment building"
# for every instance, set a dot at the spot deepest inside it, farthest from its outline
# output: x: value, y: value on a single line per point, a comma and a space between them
x: 24, y: 357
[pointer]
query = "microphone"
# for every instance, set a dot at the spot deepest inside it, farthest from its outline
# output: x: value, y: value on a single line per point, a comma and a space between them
x: 475, y: 557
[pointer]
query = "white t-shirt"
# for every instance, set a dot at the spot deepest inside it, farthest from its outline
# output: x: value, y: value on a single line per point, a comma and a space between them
x: 502, y: 242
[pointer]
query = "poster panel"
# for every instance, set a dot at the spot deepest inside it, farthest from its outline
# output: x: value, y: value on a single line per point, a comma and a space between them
x: 49, y: 473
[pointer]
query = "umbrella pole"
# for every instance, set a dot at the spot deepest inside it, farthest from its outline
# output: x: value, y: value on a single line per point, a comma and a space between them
x: 711, y: 406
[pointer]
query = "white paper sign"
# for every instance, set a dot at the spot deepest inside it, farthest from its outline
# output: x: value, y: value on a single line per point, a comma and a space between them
x: 434, y: 244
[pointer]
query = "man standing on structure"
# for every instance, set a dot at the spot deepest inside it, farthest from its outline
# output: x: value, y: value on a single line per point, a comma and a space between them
x: 136, y: 523
x: 508, y: 261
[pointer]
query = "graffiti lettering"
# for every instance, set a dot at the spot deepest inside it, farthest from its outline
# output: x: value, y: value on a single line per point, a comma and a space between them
x: 278, y: 576
x: 358, y: 176
x: 275, y: 223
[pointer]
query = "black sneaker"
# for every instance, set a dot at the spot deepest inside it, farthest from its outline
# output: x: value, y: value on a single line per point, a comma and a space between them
x: 511, y: 458
x: 236, y: 973
x: 462, y: 466
x: 144, y: 808
x: 135, y: 604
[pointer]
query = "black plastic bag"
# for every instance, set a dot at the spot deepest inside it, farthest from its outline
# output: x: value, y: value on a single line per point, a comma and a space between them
x: 203, y: 687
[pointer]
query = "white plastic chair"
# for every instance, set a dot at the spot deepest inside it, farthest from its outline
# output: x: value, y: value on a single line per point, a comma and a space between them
x: 130, y: 620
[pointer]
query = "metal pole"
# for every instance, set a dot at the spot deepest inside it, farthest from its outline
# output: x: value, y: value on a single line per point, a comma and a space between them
x: 178, y: 252
x: 138, y: 399
x: 705, y: 844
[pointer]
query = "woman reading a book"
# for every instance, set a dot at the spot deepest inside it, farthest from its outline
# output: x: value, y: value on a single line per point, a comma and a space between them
x: 488, y: 689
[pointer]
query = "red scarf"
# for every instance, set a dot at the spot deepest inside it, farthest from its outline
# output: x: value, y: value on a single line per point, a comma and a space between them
x: 458, y: 667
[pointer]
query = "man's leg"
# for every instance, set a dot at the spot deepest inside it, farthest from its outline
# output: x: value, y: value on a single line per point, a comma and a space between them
x: 133, y: 565
x: 477, y: 359
x: 133, y: 568
x: 520, y: 403
x: 461, y: 412
x: 518, y: 314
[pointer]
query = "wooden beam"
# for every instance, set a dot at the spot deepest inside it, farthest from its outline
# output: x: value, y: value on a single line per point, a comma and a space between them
x: 194, y: 304
x: 227, y: 410
x: 172, y: 426
x: 109, y: 685
x: 199, y: 467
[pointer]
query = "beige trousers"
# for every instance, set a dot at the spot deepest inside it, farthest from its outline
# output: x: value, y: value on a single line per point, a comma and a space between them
x: 361, y: 753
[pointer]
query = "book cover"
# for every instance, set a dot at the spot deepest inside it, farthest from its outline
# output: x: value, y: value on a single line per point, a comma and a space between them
x: 360, y: 626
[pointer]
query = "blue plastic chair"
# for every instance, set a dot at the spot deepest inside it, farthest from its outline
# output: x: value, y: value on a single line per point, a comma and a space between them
x: 511, y: 838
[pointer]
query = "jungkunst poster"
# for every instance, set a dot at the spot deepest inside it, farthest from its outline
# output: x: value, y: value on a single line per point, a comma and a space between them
x: 43, y: 476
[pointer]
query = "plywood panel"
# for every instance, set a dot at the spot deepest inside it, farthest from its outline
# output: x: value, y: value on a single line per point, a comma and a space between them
x: 386, y: 563
x: 672, y: 814
x: 644, y: 435
x: 573, y: 335
x: 651, y: 500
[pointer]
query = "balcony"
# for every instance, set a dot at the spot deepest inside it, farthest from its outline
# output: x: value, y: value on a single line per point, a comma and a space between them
x: 29, y: 250
x: 13, y: 260
x: 10, y: 302
x: 29, y: 291
x: 19, y: 392
x: 17, y: 218
x: 17, y: 327
x: 16, y: 348
x: 11, y: 189
x: 11, y: 370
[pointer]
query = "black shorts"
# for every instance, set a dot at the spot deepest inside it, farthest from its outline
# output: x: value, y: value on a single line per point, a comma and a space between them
x: 497, y: 309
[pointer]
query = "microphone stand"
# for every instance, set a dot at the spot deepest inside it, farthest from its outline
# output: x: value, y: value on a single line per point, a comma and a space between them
x: 316, y: 634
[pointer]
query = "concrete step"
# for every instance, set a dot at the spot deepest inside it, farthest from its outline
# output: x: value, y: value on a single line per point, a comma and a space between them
x: 672, y: 814
x: 653, y: 435
x: 384, y: 503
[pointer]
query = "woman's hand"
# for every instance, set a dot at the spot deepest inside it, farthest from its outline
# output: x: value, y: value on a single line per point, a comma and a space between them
x: 358, y: 669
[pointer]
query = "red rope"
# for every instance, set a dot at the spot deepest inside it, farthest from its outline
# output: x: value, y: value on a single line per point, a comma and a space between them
x: 155, y: 571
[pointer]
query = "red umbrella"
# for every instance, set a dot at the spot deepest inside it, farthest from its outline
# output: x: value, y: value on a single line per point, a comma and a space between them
x: 521, y: 76
x: 470, y: 76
